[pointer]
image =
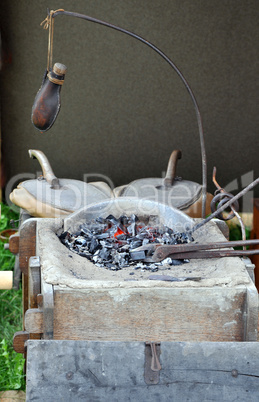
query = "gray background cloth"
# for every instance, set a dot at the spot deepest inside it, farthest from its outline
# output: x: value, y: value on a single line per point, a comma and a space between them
x: 123, y: 108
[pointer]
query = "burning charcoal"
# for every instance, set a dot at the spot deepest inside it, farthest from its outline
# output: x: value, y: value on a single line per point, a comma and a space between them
x: 105, y: 244
x: 93, y: 245
x: 113, y: 220
x: 145, y: 241
x: 135, y: 244
x: 85, y: 230
x: 108, y: 264
x: 101, y: 220
x: 169, y: 231
x: 173, y: 241
x: 109, y: 242
x: 80, y: 240
x: 166, y: 261
x: 88, y: 256
x: 132, y: 229
x: 166, y: 238
x: 121, y: 237
x: 138, y: 255
x: 119, y: 259
x: 125, y: 246
x: 186, y: 237
x: 104, y: 254
x: 97, y: 229
x: 123, y: 220
x: 177, y: 262
x: 67, y: 243
x: 102, y: 235
x: 134, y: 218
x: 64, y: 237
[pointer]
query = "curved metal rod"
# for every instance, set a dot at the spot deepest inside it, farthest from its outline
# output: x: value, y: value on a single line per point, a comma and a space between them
x: 171, y: 168
x: 45, y: 166
x: 176, y: 69
x: 226, y: 205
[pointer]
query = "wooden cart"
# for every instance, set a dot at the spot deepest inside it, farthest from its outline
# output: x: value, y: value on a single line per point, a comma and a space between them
x: 130, y: 342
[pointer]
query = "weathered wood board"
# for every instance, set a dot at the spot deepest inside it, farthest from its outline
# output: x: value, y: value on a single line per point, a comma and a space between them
x: 27, y: 245
x: 114, y: 372
x: 158, y: 314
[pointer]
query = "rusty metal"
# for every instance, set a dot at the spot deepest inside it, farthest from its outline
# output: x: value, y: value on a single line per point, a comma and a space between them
x: 234, y: 207
x: 222, y: 197
x: 226, y: 205
x: 190, y: 250
x: 204, y: 254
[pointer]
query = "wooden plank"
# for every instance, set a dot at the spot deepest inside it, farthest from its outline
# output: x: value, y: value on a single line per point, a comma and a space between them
x: 12, y: 396
x: 160, y: 314
x: 114, y: 371
x: 48, y: 309
x: 14, y: 243
x: 27, y: 244
x: 27, y: 248
x: 251, y: 314
x: 34, y: 281
x: 33, y: 321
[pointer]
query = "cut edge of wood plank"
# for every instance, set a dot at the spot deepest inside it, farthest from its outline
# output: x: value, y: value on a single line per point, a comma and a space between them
x: 34, y: 321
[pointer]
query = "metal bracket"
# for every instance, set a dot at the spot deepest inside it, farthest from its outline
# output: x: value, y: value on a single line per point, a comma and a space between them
x: 152, y: 364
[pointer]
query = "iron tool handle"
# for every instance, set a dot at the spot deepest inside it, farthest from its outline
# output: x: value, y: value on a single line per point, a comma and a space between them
x: 188, y: 249
x: 204, y: 254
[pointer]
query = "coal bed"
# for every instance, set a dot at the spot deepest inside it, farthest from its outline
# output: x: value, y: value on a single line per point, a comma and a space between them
x: 62, y: 266
x: 115, y: 243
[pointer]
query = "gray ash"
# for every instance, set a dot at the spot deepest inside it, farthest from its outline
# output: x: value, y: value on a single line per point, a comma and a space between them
x: 109, y: 242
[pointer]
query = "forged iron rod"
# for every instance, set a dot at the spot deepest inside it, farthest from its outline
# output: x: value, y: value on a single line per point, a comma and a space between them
x: 164, y: 251
x: 226, y: 205
x: 203, y: 254
x: 234, y: 211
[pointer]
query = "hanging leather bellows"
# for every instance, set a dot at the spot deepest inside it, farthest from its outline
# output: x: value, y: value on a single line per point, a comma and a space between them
x: 47, y: 101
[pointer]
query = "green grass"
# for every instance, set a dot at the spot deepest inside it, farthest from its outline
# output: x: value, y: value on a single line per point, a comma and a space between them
x: 235, y: 233
x: 6, y: 258
x: 11, y: 363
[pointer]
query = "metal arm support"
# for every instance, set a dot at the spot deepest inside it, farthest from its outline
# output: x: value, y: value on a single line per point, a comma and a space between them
x: 176, y: 69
